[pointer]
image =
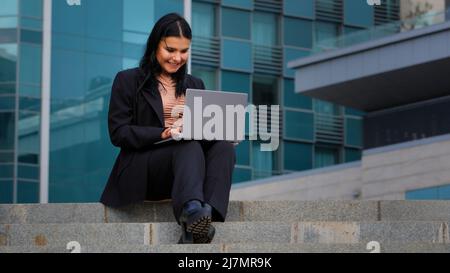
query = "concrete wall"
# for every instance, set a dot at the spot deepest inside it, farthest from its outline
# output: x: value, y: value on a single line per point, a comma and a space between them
x: 383, y: 173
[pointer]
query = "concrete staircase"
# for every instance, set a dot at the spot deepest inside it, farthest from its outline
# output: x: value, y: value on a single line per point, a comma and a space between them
x: 251, y: 226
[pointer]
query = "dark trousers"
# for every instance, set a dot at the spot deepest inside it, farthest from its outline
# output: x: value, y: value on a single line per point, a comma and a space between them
x: 187, y: 170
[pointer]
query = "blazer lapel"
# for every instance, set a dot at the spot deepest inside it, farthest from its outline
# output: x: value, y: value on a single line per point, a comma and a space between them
x: 154, y: 99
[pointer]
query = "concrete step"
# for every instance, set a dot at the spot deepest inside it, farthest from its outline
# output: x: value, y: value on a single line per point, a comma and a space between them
x: 114, y: 234
x: 240, y: 248
x: 238, y: 211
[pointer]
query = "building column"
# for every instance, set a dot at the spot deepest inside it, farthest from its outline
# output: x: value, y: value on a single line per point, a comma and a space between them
x: 45, y: 101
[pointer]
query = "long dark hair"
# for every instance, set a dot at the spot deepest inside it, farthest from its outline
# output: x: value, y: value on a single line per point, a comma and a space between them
x: 170, y: 25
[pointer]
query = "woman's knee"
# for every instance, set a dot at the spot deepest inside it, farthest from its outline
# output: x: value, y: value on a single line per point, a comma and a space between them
x: 225, y: 149
x: 191, y: 146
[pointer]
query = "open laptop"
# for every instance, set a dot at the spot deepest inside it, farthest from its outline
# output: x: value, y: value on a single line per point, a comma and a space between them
x: 213, y: 115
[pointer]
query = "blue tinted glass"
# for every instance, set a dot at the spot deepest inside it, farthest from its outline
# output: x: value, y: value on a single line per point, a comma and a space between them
x: 8, y: 61
x: 138, y: 15
x: 28, y: 172
x: 302, y: 8
x: 353, y: 132
x: 422, y: 194
x: 31, y: 8
x: 208, y: 76
x: 67, y: 76
x: 291, y: 54
x: 29, y: 23
x: 298, y: 156
x: 6, y: 171
x: 9, y: 7
x: 292, y: 99
x: 235, y: 23
x: 231, y: 60
x: 299, y: 125
x: 358, y: 13
x: 70, y: 19
x: 27, y: 192
x: 325, y: 157
x: 353, y: 112
x: 243, y: 153
x: 109, y: 27
x: 30, y: 63
x: 167, y: 6
x: 444, y: 192
x: 298, y: 32
x: 244, y: 4
x: 326, y: 35
x: 203, y: 20
x: 29, y: 36
x: 265, y: 29
x: 241, y: 175
x: 7, y: 131
x: 6, y: 191
x: 8, y: 103
x: 352, y: 155
x: 235, y: 81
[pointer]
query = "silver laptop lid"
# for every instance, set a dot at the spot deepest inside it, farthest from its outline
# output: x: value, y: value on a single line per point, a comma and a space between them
x: 214, y: 115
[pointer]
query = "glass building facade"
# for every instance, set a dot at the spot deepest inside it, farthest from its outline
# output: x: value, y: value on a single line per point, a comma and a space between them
x: 238, y: 45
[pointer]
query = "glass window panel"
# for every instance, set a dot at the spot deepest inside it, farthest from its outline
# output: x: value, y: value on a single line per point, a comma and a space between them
x: 27, y: 192
x: 299, y: 125
x: 326, y: 35
x: 325, y: 156
x: 241, y: 175
x: 291, y: 54
x: 167, y: 6
x: 7, y: 103
x: 139, y: 15
x: 7, y: 131
x: 265, y: 90
x: 243, y: 153
x: 265, y: 29
x: 235, y: 23
x: 298, y: 156
x: 29, y: 36
x: 354, y: 112
x: 28, y: 172
x: 6, y: 171
x: 203, y: 20
x: 292, y: 99
x: 352, y: 155
x: 7, y: 88
x: 6, y: 157
x: 325, y: 107
x: 110, y: 26
x: 353, y: 132
x: 8, y: 22
x: 264, y: 163
x: 32, y: 8
x: 6, y: 191
x: 29, y: 23
x: 68, y: 76
x: 8, y: 59
x: 30, y: 104
x: 358, y: 13
x: 29, y: 137
x: 444, y: 192
x: 231, y: 60
x: 302, y: 8
x: 298, y: 32
x: 422, y: 194
x: 9, y: 7
x: 245, y: 4
x: 70, y: 19
x: 235, y: 81
x: 30, y: 63
x: 207, y: 75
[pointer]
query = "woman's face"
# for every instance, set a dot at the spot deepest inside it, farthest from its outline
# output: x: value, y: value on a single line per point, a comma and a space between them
x: 172, y: 53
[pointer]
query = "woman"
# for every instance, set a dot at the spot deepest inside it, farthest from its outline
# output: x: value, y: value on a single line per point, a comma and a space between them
x: 196, y: 175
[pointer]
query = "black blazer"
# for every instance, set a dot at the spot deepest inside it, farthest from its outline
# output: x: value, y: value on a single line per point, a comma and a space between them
x: 127, y: 182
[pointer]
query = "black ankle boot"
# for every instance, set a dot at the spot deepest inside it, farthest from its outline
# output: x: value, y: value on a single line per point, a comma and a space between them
x: 205, y: 238
x: 195, y: 221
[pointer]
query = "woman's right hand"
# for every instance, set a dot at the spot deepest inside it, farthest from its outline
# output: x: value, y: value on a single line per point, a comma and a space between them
x: 166, y: 133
